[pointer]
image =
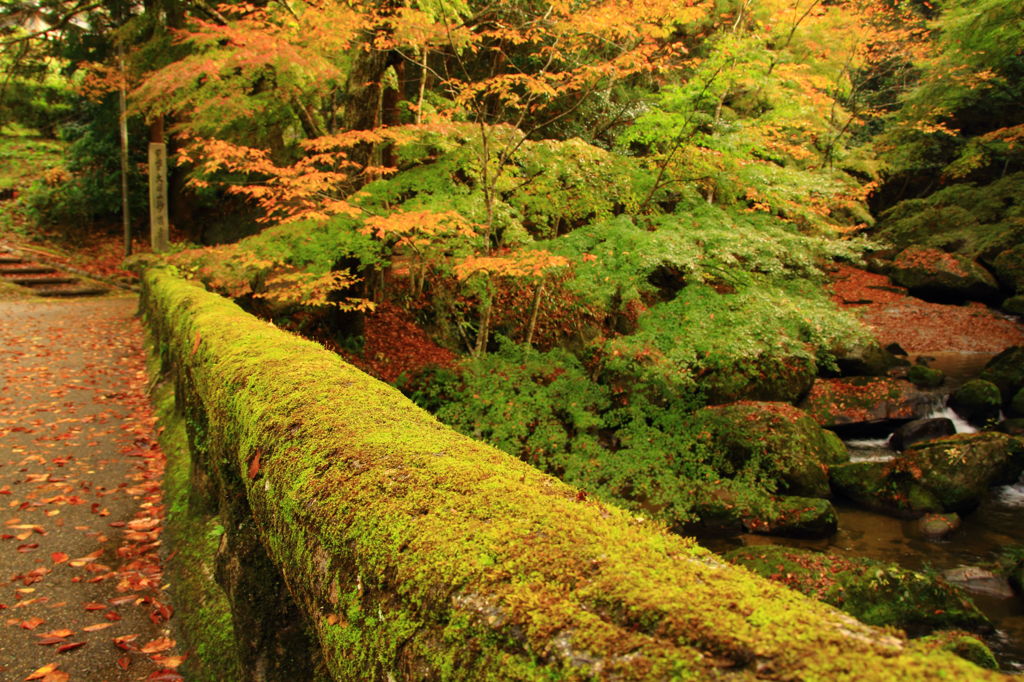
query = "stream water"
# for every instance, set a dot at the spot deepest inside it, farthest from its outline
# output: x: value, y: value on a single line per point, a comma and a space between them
x: 997, y: 523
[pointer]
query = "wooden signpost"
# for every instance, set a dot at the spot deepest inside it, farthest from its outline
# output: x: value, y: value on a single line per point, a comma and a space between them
x: 158, y: 220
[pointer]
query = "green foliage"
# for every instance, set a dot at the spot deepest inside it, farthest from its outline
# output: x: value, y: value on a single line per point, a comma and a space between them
x: 872, y: 591
x: 698, y: 244
x: 541, y: 407
x: 92, y: 193
x: 971, y: 218
x: 640, y: 453
x: 25, y: 157
x: 963, y: 118
x: 755, y: 332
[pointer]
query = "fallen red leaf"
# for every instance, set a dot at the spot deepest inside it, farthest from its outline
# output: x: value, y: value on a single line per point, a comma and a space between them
x: 157, y: 645
x: 69, y: 646
x: 32, y: 623
x: 254, y: 466
x: 59, y: 557
x: 62, y: 633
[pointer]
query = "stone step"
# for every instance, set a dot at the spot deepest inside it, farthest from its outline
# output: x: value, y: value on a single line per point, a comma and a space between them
x: 71, y: 293
x: 28, y: 270
x: 37, y: 281
x: 7, y: 259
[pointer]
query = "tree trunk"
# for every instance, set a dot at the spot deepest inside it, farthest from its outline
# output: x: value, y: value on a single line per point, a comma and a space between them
x: 123, y: 124
x: 534, y: 311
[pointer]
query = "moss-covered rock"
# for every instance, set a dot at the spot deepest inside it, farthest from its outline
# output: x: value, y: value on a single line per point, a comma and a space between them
x: 958, y: 470
x: 921, y: 430
x: 863, y: 401
x: 977, y: 401
x: 1008, y: 267
x: 415, y: 552
x: 766, y: 378
x: 1006, y: 371
x: 785, y: 439
x: 1014, y: 305
x: 871, y: 591
x: 937, y: 526
x: 1013, y: 426
x: 963, y: 644
x: 867, y: 358
x: 933, y: 274
x: 876, y: 486
x: 948, y: 474
x: 925, y: 377
x: 978, y: 221
x: 730, y: 507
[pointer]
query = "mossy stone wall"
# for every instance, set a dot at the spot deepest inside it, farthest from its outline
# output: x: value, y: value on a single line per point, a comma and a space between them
x: 363, y: 540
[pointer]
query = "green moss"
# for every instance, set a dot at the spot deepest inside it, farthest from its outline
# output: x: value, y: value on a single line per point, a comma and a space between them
x: 872, y: 591
x: 203, y: 618
x: 963, y: 645
x: 925, y: 377
x: 977, y: 401
x: 377, y: 515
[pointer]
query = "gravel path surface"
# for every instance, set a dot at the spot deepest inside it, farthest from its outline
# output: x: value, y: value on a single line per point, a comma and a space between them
x: 81, y: 589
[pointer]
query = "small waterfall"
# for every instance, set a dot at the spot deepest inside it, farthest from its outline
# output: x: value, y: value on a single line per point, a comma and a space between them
x: 879, y: 450
x: 959, y: 423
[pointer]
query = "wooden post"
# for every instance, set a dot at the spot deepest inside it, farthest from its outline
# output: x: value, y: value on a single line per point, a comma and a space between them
x: 159, y: 237
x: 123, y: 125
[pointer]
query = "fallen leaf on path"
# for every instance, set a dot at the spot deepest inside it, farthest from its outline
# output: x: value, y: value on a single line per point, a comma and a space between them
x: 62, y: 633
x: 32, y: 623
x: 168, y: 661
x: 69, y: 646
x: 157, y: 645
x: 40, y: 673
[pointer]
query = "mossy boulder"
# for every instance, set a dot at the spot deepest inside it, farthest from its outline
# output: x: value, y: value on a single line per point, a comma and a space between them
x: 1006, y: 371
x: 937, y: 526
x: 876, y: 486
x: 863, y: 401
x: 731, y: 507
x: 1014, y: 305
x: 976, y: 220
x: 921, y: 430
x: 933, y: 274
x: 977, y: 401
x: 1008, y: 267
x: 1016, y: 406
x: 1013, y: 426
x: 958, y: 470
x: 866, y: 359
x: 873, y: 592
x: 768, y: 378
x: 925, y: 377
x: 963, y: 644
x: 781, y: 440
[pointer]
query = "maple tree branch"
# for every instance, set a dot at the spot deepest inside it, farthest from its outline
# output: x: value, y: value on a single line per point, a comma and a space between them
x: 212, y: 12
x: 680, y: 137
x: 61, y: 23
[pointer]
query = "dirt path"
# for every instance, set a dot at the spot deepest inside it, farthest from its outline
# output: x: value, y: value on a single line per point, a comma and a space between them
x: 81, y: 590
